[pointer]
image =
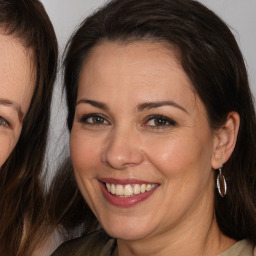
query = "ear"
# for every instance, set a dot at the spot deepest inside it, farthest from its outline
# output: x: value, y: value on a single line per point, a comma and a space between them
x: 225, y: 140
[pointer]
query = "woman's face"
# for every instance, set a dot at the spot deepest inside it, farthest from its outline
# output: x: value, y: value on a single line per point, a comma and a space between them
x: 141, y: 145
x: 17, y: 79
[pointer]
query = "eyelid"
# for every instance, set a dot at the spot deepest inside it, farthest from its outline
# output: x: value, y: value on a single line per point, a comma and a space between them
x: 10, y: 116
x: 163, y: 117
x: 87, y: 116
x: 2, y: 119
x: 167, y: 121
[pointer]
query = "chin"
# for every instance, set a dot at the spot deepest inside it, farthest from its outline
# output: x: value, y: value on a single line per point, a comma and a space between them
x: 125, y: 235
x: 127, y: 232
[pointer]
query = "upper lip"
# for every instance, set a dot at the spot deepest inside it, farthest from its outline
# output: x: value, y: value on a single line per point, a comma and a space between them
x: 125, y: 181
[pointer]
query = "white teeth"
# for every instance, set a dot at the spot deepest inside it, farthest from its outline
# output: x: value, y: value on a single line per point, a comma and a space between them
x: 129, y: 189
x: 143, y: 188
x: 113, y: 189
x: 108, y: 187
x: 136, y: 189
x: 119, y: 190
x: 148, y: 187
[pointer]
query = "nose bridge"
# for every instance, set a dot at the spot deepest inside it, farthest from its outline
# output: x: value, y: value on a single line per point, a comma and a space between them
x: 122, y: 148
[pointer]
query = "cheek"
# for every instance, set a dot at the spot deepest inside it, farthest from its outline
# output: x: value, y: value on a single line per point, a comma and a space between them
x: 7, y: 144
x: 85, y: 153
x: 179, y: 154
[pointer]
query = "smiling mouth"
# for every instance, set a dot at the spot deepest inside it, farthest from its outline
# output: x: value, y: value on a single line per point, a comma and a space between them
x: 128, y: 190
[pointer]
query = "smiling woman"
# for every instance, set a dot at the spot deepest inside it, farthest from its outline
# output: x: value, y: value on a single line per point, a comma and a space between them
x: 162, y: 134
x: 142, y: 129
x: 28, y: 59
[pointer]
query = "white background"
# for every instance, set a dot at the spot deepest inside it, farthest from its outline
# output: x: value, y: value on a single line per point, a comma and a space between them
x: 240, y: 15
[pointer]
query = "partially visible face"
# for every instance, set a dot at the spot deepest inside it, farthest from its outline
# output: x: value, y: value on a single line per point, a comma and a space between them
x: 141, y: 144
x: 17, y: 80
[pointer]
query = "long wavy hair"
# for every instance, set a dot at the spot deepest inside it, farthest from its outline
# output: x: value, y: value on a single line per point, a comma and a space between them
x: 210, y: 56
x: 21, y: 189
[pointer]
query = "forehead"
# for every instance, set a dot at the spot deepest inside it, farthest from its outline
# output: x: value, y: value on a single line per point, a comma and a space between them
x: 146, y: 48
x: 133, y: 64
x: 17, y: 72
x: 13, y: 53
x: 134, y: 73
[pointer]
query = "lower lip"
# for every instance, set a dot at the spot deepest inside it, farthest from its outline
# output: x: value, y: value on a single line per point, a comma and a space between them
x: 125, y: 201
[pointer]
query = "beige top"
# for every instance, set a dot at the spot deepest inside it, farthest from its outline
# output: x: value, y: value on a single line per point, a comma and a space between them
x: 241, y: 248
x: 100, y: 244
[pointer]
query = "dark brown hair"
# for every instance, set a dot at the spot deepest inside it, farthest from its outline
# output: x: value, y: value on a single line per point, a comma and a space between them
x: 211, y: 58
x: 20, y: 187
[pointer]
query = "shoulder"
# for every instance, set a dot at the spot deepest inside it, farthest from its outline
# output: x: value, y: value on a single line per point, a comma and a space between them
x: 241, y: 248
x: 96, y: 243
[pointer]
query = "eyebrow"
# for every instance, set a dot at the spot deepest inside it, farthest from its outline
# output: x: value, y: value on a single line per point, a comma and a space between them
x: 94, y: 103
x: 13, y: 105
x: 150, y: 105
x: 140, y: 107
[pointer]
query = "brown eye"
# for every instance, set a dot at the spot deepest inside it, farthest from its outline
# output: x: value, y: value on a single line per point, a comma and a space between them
x: 94, y: 119
x: 159, y: 121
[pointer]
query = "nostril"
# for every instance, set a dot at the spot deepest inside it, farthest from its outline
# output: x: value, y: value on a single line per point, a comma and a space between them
x: 122, y: 150
x: 118, y: 161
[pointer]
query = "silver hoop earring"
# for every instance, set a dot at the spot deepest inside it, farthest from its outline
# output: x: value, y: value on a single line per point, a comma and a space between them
x: 221, y: 183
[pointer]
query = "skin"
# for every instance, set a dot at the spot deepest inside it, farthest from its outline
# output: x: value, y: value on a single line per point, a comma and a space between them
x: 179, y: 155
x: 17, y: 80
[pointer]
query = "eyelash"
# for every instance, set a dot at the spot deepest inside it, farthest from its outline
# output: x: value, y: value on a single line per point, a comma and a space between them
x: 4, y: 122
x: 164, y: 122
x: 97, y: 119
x: 93, y: 116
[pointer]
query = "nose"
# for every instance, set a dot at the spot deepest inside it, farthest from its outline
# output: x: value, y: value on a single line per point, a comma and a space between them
x: 122, y: 150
